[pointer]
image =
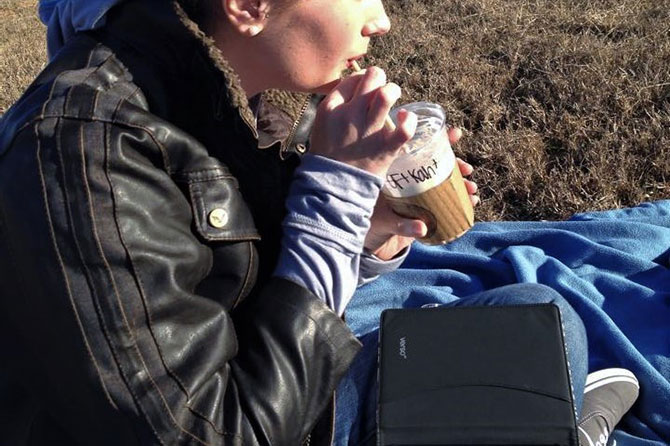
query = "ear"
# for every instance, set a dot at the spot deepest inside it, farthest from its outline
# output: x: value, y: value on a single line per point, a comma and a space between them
x: 248, y: 17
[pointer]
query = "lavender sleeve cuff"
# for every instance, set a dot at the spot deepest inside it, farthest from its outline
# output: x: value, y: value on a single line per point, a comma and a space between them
x: 328, y: 216
x: 372, y: 266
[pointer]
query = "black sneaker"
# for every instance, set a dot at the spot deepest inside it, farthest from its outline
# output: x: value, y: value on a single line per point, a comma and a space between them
x: 608, y: 394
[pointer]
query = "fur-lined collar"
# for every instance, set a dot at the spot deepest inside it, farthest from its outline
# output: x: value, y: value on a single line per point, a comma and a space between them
x: 238, y: 97
x: 281, y: 102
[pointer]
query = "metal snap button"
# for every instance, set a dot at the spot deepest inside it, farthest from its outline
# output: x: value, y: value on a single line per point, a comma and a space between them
x: 218, y: 218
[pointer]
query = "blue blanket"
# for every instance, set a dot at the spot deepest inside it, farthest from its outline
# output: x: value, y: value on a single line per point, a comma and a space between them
x: 613, y: 267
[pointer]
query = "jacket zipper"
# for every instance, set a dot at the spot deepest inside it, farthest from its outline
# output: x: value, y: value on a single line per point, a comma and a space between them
x: 294, y: 128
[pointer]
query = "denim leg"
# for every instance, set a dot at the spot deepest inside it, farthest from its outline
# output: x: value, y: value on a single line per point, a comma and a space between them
x: 533, y: 293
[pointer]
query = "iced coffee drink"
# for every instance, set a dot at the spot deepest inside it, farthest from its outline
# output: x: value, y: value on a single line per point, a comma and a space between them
x: 425, y: 183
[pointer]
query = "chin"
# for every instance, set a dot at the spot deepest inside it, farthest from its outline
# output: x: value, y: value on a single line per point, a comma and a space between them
x: 326, y: 87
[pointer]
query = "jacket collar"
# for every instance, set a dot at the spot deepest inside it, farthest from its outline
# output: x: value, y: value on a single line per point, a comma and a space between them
x: 274, y: 116
x: 178, y: 49
x: 232, y: 90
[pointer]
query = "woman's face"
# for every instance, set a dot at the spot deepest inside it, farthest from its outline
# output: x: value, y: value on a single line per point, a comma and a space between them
x: 306, y: 45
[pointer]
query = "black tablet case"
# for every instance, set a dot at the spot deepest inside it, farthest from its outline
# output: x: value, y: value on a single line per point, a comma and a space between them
x: 474, y: 376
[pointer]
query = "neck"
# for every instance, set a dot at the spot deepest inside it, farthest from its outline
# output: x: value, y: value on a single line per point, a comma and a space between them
x: 242, y: 55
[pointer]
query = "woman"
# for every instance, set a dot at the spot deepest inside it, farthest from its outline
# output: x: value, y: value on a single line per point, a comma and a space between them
x: 184, y: 273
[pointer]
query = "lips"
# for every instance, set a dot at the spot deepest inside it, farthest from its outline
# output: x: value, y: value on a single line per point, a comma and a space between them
x: 356, y: 58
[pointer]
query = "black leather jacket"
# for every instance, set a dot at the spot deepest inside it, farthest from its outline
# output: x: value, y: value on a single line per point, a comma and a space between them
x: 139, y: 226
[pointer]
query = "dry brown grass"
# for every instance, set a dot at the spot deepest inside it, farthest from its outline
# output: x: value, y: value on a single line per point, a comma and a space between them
x: 22, y: 48
x: 565, y: 103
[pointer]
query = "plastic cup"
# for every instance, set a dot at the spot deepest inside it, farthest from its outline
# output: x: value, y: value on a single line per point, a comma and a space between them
x: 425, y: 183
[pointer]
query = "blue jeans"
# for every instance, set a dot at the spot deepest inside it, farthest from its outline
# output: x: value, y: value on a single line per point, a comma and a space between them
x: 356, y: 401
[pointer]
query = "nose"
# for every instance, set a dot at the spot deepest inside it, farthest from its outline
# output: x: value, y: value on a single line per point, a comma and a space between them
x: 378, y: 22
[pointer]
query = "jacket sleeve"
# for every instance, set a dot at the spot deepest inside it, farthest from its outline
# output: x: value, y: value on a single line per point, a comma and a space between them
x: 123, y: 343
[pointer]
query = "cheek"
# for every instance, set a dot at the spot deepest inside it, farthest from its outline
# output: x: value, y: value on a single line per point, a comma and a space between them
x: 321, y: 60
x: 335, y: 48
x: 316, y: 52
x: 331, y: 39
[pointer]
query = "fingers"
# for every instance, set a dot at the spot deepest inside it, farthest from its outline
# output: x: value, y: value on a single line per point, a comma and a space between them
x: 373, y: 78
x: 343, y: 92
x: 360, y: 85
x: 472, y: 189
x: 411, y: 228
x: 465, y: 167
x: 405, y: 128
x: 368, y: 92
x: 470, y: 186
x: 388, y: 223
x: 455, y: 135
x: 382, y: 102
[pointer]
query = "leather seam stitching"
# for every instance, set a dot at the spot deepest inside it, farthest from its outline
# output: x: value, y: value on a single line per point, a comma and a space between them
x: 143, y: 297
x: 62, y: 267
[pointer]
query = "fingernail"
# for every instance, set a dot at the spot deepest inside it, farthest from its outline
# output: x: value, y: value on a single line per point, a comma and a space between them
x: 412, y: 228
x: 423, y: 231
x: 407, y: 228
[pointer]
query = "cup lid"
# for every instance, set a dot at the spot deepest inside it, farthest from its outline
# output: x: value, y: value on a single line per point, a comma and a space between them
x: 430, y: 121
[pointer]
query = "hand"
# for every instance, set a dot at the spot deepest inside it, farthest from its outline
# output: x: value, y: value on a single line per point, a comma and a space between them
x: 349, y: 125
x: 389, y: 233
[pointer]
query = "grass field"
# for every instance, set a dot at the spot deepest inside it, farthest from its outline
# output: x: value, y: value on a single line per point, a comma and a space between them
x: 565, y: 103
x: 22, y: 48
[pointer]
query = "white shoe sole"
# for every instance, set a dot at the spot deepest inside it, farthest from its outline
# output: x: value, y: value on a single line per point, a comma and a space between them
x: 607, y: 376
